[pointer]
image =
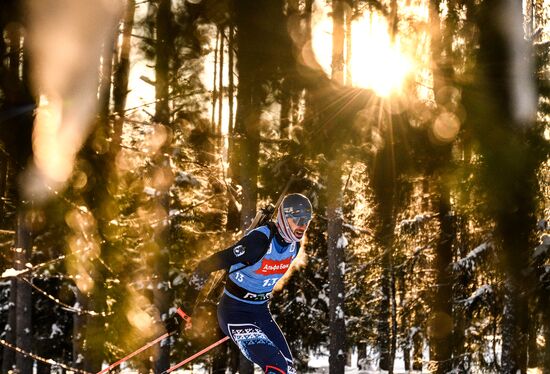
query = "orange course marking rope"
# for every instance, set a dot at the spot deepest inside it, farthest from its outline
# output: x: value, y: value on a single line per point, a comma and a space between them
x: 41, y: 359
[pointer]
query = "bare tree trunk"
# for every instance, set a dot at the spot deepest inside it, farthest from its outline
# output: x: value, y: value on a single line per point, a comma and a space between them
x: 105, y: 80
x: 533, y: 349
x: 338, y: 41
x: 23, y: 305
x: 441, y: 322
x: 405, y: 321
x: 16, y: 131
x: 233, y: 213
x: 23, y: 294
x: 383, y: 179
x: 234, y: 354
x: 407, y: 355
x: 8, y: 356
x: 250, y: 97
x: 511, y: 356
x: 417, y: 349
x: 286, y: 109
x: 3, y: 186
x: 14, y: 95
x: 230, y: 74
x: 120, y: 77
x: 335, y: 249
x: 245, y: 366
x: 336, y: 268
x: 249, y: 106
x: 219, y: 359
x: 529, y: 17
x: 362, y: 356
x: 214, y: 82
x: 460, y: 281
x: 79, y: 331
x: 95, y: 326
x: 220, y: 88
x: 43, y: 368
x: 250, y: 148
x: 162, y: 294
x: 348, y: 37
x: 385, y: 320
x: 287, y: 114
x: 393, y: 303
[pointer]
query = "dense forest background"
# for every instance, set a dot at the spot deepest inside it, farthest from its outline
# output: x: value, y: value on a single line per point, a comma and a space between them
x: 138, y: 136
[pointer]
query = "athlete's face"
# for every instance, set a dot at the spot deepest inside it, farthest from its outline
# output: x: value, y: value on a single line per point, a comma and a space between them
x: 298, y: 229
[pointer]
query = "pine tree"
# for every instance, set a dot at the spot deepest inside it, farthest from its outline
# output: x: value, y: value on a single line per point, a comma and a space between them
x: 441, y: 324
x: 335, y: 247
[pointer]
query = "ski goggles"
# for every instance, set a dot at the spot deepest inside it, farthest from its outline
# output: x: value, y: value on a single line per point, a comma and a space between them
x: 299, y: 217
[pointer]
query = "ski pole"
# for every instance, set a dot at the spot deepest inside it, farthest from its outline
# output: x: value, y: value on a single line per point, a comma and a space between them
x: 148, y: 345
x: 151, y: 343
x: 191, y: 358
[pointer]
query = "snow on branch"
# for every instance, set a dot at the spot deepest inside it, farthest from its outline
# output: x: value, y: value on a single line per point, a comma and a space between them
x: 412, y: 226
x: 74, y: 309
x: 47, y: 361
x: 184, y: 179
x: 469, y: 261
x: 543, y: 248
x: 342, y: 242
x: 11, y: 272
x: 8, y: 273
x: 477, y: 295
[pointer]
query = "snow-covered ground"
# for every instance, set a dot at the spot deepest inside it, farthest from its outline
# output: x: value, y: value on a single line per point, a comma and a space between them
x: 319, y: 365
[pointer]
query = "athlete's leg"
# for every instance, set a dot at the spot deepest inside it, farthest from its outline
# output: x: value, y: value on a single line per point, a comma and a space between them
x: 256, y: 346
x: 241, y: 322
x: 274, y: 333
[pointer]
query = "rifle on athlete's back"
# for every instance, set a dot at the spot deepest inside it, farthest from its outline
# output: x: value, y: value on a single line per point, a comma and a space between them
x: 213, y: 291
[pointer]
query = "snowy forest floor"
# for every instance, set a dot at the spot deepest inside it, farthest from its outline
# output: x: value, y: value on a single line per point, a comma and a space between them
x: 319, y: 365
x: 320, y: 370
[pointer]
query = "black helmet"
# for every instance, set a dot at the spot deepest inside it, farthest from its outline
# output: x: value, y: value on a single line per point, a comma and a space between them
x: 298, y: 208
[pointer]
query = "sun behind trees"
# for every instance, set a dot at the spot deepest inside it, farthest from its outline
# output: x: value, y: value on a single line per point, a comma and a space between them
x: 419, y: 131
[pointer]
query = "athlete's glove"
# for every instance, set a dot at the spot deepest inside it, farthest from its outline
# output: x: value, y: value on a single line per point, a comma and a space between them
x: 173, y: 323
x: 198, y: 280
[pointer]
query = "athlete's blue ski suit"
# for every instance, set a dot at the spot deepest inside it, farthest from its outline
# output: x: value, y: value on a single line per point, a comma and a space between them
x: 255, y: 265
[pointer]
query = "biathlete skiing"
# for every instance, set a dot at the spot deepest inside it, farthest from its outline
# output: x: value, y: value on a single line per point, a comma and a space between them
x: 255, y: 263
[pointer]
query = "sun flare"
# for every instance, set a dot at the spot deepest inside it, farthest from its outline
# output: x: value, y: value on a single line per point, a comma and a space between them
x: 377, y: 62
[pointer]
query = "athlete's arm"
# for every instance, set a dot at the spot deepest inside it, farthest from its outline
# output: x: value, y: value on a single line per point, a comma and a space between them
x: 246, y: 251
